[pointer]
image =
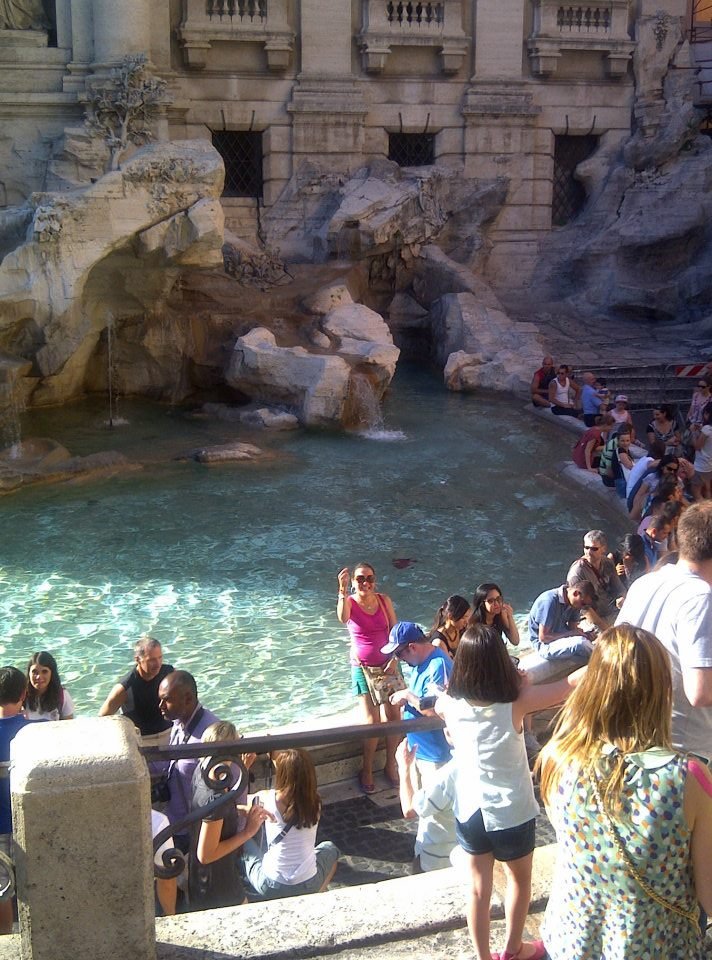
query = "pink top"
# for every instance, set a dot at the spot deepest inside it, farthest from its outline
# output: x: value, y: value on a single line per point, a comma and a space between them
x: 695, y: 768
x: 368, y: 632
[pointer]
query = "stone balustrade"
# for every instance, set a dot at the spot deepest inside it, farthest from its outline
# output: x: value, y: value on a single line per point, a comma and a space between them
x: 599, y: 28
x: 388, y: 23
x: 251, y: 21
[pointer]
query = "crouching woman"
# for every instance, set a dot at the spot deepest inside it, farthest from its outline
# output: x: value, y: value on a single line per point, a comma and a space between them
x: 289, y: 862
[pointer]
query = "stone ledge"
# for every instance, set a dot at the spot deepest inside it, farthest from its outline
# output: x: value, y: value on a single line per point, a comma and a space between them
x: 320, y: 925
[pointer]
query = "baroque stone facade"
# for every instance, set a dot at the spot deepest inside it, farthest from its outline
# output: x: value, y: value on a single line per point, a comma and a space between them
x: 490, y: 87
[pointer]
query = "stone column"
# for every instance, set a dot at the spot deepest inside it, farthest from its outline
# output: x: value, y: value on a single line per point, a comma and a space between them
x: 502, y: 139
x: 120, y: 28
x: 81, y: 813
x: 328, y: 110
x: 82, y: 44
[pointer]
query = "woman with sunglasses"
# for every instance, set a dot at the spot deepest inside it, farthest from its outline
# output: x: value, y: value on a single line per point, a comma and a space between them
x: 368, y: 616
x: 490, y: 608
x: 667, y: 468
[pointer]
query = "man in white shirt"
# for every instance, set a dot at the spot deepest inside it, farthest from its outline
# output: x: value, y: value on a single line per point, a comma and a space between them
x: 675, y: 603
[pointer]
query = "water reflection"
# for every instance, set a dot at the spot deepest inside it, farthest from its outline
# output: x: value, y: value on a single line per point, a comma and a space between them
x: 234, y: 568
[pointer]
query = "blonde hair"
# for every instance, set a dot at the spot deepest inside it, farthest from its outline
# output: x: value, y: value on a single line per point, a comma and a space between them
x: 220, y: 730
x: 624, y: 699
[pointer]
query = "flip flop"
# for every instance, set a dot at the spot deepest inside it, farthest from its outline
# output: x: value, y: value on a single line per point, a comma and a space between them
x: 367, y: 788
x: 538, y: 954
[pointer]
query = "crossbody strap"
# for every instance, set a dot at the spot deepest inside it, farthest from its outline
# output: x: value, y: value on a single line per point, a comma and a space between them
x: 281, y: 835
x: 692, y: 917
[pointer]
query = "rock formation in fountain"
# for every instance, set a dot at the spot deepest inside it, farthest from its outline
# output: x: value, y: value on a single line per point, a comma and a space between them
x: 318, y: 385
x: 113, y: 250
x: 642, y: 248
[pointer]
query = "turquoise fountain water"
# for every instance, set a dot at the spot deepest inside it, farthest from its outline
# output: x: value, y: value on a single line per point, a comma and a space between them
x: 234, y: 568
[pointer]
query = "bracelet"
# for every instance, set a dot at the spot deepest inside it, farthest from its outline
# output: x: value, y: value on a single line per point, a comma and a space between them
x: 342, y: 596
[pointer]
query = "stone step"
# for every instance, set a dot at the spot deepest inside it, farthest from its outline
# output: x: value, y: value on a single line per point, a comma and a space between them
x: 421, y: 915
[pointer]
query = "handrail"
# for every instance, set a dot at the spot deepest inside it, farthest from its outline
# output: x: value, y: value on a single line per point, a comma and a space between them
x: 226, y: 757
x: 266, y: 743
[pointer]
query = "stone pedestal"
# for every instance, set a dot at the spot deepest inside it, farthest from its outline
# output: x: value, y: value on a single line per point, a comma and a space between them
x: 81, y: 812
x: 328, y: 118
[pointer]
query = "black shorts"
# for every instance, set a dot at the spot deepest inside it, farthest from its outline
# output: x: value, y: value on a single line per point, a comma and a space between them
x: 511, y: 843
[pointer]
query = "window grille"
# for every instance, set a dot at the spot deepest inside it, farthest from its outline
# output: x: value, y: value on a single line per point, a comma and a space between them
x: 412, y: 149
x: 583, y: 18
x: 415, y: 13
x: 242, y: 155
x: 569, y: 196
x: 254, y: 9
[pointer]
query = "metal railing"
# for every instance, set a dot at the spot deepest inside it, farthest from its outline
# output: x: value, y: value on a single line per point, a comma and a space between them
x: 226, y: 771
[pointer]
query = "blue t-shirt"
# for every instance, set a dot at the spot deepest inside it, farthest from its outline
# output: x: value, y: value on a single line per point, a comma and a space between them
x: 9, y: 726
x: 590, y: 401
x: 551, y: 609
x: 426, y: 680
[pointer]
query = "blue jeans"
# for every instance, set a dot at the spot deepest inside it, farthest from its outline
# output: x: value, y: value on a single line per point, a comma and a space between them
x: 327, y: 854
x: 578, y: 648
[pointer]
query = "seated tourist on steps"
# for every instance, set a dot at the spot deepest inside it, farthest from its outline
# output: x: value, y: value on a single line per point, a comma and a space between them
x: 215, y: 877
x: 593, y: 399
x: 287, y: 861
x: 540, y: 383
x: 564, y: 394
x: 596, y: 567
x: 614, y: 459
x: 13, y: 686
x: 553, y: 622
x: 136, y: 694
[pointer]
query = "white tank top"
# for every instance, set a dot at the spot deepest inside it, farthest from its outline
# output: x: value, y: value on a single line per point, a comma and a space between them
x: 491, y: 763
x: 292, y: 860
x: 561, y: 395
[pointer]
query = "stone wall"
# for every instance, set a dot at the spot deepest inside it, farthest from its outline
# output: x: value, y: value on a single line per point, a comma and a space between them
x: 327, y: 81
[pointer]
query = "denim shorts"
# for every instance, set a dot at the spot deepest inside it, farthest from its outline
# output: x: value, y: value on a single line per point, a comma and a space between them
x: 512, y: 843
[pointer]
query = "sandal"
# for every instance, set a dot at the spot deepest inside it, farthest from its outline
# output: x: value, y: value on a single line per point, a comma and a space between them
x: 367, y: 788
x: 393, y: 780
x: 539, y: 952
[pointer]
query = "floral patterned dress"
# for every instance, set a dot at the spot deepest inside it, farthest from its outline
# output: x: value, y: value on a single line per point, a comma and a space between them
x: 597, y: 909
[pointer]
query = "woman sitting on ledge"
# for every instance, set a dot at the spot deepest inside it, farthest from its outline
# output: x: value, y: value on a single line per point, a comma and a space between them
x: 288, y: 863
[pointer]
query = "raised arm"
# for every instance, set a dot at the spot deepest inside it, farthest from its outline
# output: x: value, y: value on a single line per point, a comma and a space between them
x: 343, y: 600
x: 510, y: 627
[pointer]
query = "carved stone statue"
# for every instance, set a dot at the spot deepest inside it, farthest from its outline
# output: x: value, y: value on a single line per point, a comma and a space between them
x: 22, y: 15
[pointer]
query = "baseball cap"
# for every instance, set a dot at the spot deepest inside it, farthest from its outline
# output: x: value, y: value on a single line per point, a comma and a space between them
x: 401, y: 635
x: 621, y: 398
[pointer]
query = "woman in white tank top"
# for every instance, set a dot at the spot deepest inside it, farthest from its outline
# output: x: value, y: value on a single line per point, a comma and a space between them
x: 289, y: 862
x: 495, y: 808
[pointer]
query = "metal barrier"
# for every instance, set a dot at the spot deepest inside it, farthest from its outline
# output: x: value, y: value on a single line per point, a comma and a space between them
x: 227, y: 772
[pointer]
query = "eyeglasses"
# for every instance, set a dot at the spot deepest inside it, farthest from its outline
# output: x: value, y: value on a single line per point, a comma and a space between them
x: 494, y: 599
x: 362, y: 579
x: 702, y: 386
x: 592, y: 547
